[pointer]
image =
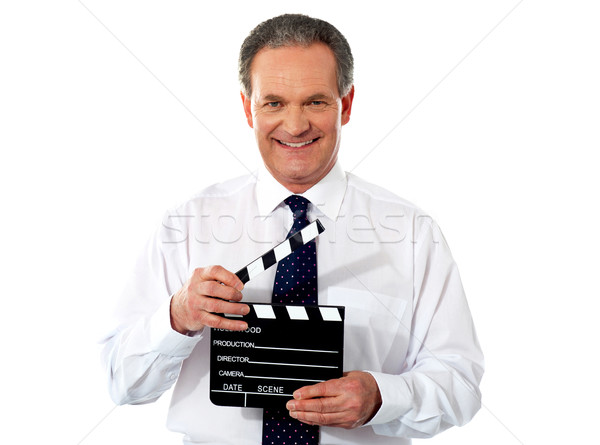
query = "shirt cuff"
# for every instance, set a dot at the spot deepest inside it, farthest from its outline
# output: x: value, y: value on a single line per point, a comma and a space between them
x: 166, y: 340
x: 395, y: 398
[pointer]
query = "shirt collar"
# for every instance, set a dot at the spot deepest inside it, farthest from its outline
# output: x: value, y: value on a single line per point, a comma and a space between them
x: 327, y: 195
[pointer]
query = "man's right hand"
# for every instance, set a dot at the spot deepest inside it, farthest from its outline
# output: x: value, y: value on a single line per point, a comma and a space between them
x: 210, y: 290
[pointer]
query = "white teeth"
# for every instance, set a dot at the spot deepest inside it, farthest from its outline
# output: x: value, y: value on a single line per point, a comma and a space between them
x: 298, y: 145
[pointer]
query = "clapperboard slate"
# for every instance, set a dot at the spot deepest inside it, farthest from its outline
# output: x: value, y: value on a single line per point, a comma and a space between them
x: 284, y: 347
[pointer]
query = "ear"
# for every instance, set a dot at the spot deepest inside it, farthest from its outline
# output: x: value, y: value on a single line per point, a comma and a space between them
x: 246, y: 102
x: 347, y: 106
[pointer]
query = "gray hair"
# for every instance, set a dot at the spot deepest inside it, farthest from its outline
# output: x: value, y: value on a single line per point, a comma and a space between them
x: 296, y: 30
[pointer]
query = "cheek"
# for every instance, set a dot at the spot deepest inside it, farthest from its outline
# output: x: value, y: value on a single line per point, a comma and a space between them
x: 263, y: 127
x: 327, y: 122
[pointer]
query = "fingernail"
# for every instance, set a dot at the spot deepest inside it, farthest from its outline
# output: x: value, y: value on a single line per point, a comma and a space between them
x: 291, y: 406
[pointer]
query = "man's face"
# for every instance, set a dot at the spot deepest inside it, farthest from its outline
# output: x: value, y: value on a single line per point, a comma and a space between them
x: 297, y: 113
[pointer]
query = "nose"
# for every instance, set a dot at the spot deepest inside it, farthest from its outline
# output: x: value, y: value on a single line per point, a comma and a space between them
x: 295, y: 121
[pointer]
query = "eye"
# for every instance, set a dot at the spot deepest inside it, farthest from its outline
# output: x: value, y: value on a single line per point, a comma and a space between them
x: 317, y: 105
x: 273, y: 104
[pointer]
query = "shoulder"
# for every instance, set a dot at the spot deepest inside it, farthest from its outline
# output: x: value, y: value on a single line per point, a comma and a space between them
x: 374, y: 195
x: 386, y: 209
x: 205, y: 209
x: 221, y: 195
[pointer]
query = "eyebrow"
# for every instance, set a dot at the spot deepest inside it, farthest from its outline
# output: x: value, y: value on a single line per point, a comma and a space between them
x: 318, y: 96
x: 275, y: 98
x: 272, y: 98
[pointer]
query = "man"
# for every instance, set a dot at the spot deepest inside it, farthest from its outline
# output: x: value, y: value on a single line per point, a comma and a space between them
x: 412, y: 360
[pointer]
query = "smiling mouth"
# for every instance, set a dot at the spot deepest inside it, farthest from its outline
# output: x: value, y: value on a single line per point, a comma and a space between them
x: 298, y: 144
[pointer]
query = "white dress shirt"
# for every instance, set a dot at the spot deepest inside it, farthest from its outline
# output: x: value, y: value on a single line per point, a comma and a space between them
x: 407, y: 319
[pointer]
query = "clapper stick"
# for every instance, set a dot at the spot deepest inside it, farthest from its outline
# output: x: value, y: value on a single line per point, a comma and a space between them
x: 280, y: 251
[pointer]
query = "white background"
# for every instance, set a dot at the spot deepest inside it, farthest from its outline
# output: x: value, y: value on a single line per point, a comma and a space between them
x: 112, y: 112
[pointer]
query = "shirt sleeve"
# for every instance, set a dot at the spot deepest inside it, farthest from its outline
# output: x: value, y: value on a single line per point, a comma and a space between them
x: 143, y: 354
x: 440, y: 385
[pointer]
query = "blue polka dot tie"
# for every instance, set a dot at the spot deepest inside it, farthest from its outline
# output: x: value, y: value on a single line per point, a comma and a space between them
x: 295, y: 284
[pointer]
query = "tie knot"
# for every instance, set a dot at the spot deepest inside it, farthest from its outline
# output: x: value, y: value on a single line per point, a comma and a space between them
x: 298, y: 205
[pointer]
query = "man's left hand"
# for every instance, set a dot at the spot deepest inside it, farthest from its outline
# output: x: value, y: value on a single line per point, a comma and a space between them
x: 348, y: 402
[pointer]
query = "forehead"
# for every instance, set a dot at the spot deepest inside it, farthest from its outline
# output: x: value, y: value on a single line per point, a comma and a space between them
x: 294, y: 70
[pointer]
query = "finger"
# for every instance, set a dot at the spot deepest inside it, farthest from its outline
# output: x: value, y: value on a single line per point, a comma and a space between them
x: 316, y: 405
x: 328, y: 419
x: 323, y: 389
x: 342, y: 419
x: 222, y: 275
x: 218, y: 306
x: 217, y: 290
x: 217, y: 322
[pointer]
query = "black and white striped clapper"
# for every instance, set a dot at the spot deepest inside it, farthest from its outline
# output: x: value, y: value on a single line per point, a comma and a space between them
x: 280, y: 251
x: 283, y: 349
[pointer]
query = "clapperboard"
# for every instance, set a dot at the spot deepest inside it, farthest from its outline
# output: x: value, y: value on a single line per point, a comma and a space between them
x: 284, y: 348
